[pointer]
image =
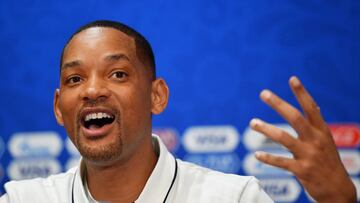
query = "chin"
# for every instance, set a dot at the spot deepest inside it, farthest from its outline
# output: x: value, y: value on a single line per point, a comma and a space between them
x: 101, y: 153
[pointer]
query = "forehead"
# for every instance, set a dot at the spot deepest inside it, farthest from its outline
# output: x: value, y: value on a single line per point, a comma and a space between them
x: 99, y: 41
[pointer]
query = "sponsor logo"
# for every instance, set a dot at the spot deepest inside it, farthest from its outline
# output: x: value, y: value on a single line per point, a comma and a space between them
x: 72, y: 162
x: 70, y: 147
x: 254, y: 167
x: 227, y: 163
x: 351, y: 161
x: 281, y: 189
x: 211, y: 139
x: 35, y: 144
x: 169, y: 136
x: 26, y: 168
x: 345, y: 135
x: 254, y: 140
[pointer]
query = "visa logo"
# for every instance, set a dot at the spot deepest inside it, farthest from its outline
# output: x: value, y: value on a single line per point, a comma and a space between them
x: 276, y: 190
x: 205, y: 139
x: 281, y: 189
x: 34, y: 171
x: 221, y: 139
x: 227, y: 163
x: 26, y: 168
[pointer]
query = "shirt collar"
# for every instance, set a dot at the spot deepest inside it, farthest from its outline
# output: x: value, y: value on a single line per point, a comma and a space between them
x: 78, y: 187
x: 156, y: 186
x: 161, y: 177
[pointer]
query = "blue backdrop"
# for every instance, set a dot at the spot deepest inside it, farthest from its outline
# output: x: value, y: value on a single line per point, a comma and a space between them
x: 216, y: 55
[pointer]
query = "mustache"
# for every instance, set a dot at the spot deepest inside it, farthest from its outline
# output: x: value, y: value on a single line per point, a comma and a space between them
x: 94, y: 102
x: 99, y: 102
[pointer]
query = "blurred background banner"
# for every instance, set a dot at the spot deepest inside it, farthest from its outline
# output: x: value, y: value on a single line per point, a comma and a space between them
x: 216, y: 55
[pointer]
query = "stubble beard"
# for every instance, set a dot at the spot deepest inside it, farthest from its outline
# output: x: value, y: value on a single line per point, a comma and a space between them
x: 100, y: 153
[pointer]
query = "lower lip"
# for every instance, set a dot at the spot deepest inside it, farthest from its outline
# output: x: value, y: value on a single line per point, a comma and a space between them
x: 98, y: 132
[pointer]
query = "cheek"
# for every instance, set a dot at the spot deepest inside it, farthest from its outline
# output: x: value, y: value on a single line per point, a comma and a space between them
x: 68, y: 108
x: 136, y: 104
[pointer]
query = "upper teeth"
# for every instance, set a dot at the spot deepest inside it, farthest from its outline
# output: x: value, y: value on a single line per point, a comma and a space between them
x: 97, y: 116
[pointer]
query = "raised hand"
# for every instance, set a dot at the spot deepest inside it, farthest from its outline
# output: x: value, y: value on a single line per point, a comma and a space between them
x: 316, y: 162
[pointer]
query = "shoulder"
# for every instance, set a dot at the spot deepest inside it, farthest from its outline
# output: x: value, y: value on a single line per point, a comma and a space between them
x: 46, y: 189
x: 209, y: 175
x: 221, y: 186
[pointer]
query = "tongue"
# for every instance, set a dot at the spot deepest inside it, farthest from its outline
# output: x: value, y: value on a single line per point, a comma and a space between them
x: 93, y: 127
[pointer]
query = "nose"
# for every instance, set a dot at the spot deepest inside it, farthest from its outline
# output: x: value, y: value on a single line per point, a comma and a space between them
x: 95, y: 89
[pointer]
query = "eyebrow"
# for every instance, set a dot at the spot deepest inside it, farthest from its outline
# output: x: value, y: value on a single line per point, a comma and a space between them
x: 116, y: 57
x: 110, y: 58
x: 71, y: 64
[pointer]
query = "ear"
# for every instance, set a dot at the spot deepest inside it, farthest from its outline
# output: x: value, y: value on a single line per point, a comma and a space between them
x: 57, y: 111
x: 159, y: 96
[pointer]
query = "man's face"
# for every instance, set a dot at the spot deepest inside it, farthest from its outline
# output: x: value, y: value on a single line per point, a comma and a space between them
x: 104, y: 100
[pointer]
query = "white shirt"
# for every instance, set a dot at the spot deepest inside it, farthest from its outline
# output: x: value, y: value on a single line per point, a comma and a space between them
x: 192, y: 183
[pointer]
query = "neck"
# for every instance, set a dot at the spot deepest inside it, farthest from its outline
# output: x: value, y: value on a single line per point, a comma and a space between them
x: 122, y: 181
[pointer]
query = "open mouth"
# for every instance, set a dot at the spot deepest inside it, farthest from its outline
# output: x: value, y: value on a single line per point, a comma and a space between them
x: 97, y: 120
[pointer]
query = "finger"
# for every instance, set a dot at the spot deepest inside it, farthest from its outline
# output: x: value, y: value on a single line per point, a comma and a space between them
x: 277, y: 161
x: 276, y: 134
x: 288, y: 112
x: 307, y: 103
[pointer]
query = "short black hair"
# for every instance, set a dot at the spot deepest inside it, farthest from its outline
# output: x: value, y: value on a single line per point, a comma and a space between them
x: 143, y: 48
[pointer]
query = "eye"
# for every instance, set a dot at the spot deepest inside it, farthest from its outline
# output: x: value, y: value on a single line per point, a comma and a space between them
x: 119, y: 75
x: 73, y: 79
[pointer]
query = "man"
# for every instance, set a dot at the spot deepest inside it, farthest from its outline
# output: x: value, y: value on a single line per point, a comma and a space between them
x: 107, y: 96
